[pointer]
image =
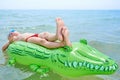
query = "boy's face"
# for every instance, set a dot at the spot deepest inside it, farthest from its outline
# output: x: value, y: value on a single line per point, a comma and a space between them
x: 12, y: 34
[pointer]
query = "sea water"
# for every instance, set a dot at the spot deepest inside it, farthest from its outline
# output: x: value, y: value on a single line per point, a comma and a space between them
x: 101, y: 28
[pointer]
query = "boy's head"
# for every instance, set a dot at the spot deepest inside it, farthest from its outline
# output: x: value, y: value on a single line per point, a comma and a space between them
x: 12, y: 33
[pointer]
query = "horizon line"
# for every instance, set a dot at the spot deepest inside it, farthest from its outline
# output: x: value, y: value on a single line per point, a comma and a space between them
x: 59, y: 9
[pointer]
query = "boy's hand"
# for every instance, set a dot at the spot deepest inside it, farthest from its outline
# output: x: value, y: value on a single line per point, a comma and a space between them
x: 11, y: 40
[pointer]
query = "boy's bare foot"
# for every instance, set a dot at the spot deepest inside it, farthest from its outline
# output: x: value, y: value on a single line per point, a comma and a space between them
x: 65, y: 33
x: 60, y: 24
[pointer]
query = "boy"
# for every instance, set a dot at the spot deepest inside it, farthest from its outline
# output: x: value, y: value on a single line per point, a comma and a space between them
x: 45, y: 39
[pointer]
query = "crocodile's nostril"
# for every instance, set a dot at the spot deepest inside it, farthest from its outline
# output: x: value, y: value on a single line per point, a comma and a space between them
x: 106, y: 62
x: 110, y: 58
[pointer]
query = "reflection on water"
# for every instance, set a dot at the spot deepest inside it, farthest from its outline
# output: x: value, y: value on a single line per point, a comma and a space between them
x: 53, y: 76
x: 12, y: 73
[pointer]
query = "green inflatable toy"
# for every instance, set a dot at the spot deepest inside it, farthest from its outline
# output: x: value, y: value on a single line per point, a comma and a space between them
x: 77, y: 61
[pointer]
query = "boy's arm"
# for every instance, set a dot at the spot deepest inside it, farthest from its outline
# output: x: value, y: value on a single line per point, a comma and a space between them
x: 5, y: 46
x: 8, y: 43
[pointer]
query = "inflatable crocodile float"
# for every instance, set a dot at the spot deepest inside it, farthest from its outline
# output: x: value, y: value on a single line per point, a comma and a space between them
x: 81, y: 60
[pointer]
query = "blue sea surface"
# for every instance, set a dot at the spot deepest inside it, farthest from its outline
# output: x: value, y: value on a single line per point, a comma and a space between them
x: 101, y: 28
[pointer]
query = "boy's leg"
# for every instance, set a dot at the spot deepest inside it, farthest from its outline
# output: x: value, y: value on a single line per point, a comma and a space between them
x: 48, y: 44
x: 53, y: 37
x: 45, y: 43
x: 48, y: 36
x: 60, y: 24
x: 65, y: 33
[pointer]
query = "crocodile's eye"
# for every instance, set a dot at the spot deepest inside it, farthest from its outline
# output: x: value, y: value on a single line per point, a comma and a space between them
x: 106, y: 61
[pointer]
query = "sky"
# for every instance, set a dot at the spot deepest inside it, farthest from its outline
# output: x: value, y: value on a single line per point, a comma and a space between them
x: 60, y: 4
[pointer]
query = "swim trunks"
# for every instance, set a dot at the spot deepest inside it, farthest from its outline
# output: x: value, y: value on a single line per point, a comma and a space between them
x: 34, y: 35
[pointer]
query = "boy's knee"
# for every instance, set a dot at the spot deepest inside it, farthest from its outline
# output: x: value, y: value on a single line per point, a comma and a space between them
x: 42, y: 41
x: 46, y: 34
